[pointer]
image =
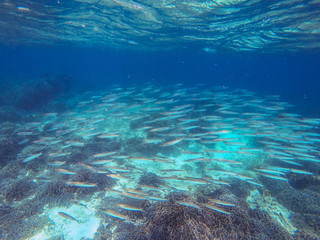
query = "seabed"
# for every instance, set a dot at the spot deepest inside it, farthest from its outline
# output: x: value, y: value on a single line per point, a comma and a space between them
x: 153, y: 162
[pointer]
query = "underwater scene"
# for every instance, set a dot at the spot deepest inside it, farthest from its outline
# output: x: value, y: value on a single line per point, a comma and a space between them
x: 159, y: 120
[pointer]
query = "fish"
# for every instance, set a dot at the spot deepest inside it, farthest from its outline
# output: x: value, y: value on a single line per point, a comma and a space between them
x: 57, y: 163
x: 106, y: 154
x: 101, y: 162
x: 67, y: 216
x: 198, y: 160
x: 75, y: 143
x: 172, y: 170
x: 188, y: 204
x: 31, y: 157
x: 78, y: 203
x: 161, y: 129
x: 81, y: 184
x: 221, y: 202
x: 118, y: 177
x: 212, y: 207
x: 129, y: 207
x: 199, y: 181
x: 152, y: 141
x: 117, y: 169
x: 274, y: 177
x: 141, y: 159
x: 133, y: 195
x: 135, y: 191
x: 156, y: 198
x: 114, y: 214
x: 171, y: 142
x: 108, y: 136
x: 298, y: 171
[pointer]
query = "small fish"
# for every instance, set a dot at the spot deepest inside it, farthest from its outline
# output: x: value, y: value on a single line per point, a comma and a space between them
x: 119, y: 177
x: 135, y: 196
x: 274, y: 177
x: 198, y: 160
x: 188, y: 204
x: 23, y: 141
x: 78, y: 203
x: 115, y: 214
x: 172, y: 170
x: 216, y: 209
x: 154, y: 141
x: 227, y: 161
x: 135, y: 191
x: 88, y: 167
x: 103, y: 154
x: 129, y: 207
x: 108, y: 136
x: 75, y: 143
x: 141, y: 159
x: 196, y: 181
x: 171, y: 142
x: 67, y: 216
x: 298, y: 171
x: 31, y: 157
x: 81, y: 184
x: 57, y: 163
x: 161, y: 129
x: 222, y: 202
x: 117, y: 169
x: 100, y: 162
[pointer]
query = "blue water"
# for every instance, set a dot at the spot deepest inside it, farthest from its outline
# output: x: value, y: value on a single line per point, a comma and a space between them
x: 235, y: 82
x: 294, y: 76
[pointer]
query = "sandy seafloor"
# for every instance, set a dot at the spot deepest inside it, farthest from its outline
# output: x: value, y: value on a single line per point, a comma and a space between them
x: 198, y: 163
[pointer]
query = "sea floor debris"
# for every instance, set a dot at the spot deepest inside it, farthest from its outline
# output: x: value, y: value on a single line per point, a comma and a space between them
x: 148, y: 162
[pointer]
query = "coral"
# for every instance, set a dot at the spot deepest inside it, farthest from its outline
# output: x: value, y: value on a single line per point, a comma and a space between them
x: 55, y: 193
x: 20, y: 219
x: 136, y: 145
x: 303, y: 203
x: 150, y: 179
x: 18, y: 190
x: 241, y: 189
x: 173, y: 221
x: 128, y: 231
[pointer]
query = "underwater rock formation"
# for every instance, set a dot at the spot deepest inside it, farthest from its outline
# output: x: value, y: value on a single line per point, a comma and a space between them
x: 34, y: 94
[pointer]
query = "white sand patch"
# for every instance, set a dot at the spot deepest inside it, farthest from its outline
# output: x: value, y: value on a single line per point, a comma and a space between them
x: 86, y: 226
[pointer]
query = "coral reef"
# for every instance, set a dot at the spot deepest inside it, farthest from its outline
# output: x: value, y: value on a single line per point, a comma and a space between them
x: 171, y: 221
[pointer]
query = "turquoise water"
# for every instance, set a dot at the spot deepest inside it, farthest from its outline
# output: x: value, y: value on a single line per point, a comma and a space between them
x: 159, y: 120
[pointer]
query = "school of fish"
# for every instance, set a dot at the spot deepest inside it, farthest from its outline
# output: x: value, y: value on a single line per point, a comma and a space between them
x: 202, y: 136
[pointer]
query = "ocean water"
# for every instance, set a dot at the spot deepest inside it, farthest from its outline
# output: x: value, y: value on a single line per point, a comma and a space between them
x: 159, y: 120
